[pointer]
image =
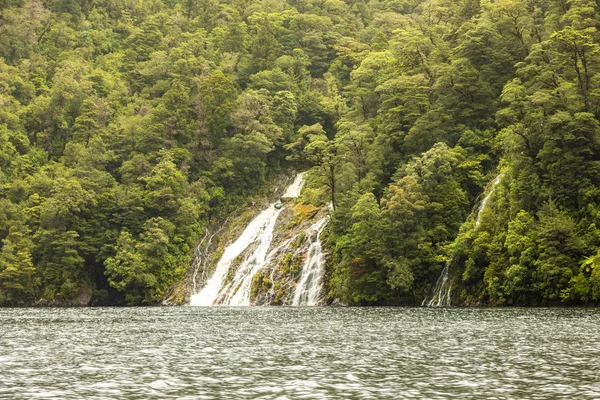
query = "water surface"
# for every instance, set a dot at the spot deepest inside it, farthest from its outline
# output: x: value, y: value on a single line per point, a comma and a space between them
x: 299, y: 353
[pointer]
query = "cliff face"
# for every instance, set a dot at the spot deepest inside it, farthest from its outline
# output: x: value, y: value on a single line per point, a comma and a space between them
x: 294, y: 273
x: 269, y: 253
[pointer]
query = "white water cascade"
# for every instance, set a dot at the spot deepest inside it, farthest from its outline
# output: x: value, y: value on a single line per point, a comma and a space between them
x: 257, y: 236
x: 310, y: 285
x: 295, y: 188
x: 441, y: 291
x: 443, y: 287
x: 492, y: 187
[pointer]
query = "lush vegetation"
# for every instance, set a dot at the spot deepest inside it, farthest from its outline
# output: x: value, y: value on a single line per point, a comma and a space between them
x: 449, y: 96
x: 126, y: 126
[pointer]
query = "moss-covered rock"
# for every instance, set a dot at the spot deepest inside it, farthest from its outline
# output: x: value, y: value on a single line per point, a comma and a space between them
x: 261, y: 283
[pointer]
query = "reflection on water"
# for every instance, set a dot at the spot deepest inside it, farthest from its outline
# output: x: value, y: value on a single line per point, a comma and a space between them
x: 299, y: 353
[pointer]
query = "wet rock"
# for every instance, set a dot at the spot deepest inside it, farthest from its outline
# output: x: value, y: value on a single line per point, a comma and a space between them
x: 82, y: 298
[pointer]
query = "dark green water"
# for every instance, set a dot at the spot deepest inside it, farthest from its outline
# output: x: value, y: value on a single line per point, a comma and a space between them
x: 299, y: 353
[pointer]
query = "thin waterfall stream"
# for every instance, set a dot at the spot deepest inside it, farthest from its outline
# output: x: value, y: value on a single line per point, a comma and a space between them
x: 492, y: 187
x: 442, y: 291
x: 310, y: 286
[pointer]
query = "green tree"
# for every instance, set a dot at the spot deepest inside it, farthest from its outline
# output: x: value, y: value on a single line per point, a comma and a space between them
x: 358, y: 277
x: 18, y: 283
x: 315, y: 147
x: 214, y: 105
x: 143, y: 268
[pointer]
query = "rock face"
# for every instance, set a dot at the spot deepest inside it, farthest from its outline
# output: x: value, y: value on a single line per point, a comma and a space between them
x: 286, y: 279
x: 83, y: 298
x: 274, y: 257
x: 280, y: 276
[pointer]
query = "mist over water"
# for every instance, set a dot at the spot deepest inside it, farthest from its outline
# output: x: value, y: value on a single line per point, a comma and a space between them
x: 299, y: 352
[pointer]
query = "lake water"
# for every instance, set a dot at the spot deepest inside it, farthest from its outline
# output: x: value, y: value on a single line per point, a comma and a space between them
x: 299, y: 353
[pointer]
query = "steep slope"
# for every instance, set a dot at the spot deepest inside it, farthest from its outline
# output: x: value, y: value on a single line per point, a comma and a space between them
x: 128, y: 128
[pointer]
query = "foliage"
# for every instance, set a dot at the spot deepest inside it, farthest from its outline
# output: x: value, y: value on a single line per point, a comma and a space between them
x: 125, y: 127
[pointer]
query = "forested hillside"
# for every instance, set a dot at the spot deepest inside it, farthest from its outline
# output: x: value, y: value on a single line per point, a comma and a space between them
x: 126, y: 126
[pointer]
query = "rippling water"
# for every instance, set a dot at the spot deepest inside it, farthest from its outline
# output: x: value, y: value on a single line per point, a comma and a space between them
x: 299, y: 353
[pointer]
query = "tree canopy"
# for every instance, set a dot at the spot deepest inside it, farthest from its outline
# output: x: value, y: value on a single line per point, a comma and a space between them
x: 126, y: 127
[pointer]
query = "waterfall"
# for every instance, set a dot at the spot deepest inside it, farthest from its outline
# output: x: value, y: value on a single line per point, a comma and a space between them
x: 310, y: 285
x: 443, y: 287
x: 492, y: 187
x: 441, y: 291
x: 256, y: 238
x: 237, y: 292
x: 200, y: 259
x: 295, y: 188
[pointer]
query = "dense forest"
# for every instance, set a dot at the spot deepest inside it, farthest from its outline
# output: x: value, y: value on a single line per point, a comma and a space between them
x: 127, y: 126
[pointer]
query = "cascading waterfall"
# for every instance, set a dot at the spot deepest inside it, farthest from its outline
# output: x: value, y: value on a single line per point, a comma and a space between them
x: 441, y: 291
x: 200, y: 260
x: 295, y: 188
x: 443, y: 286
x: 257, y: 237
x: 310, y: 285
x: 237, y: 292
x: 487, y: 197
